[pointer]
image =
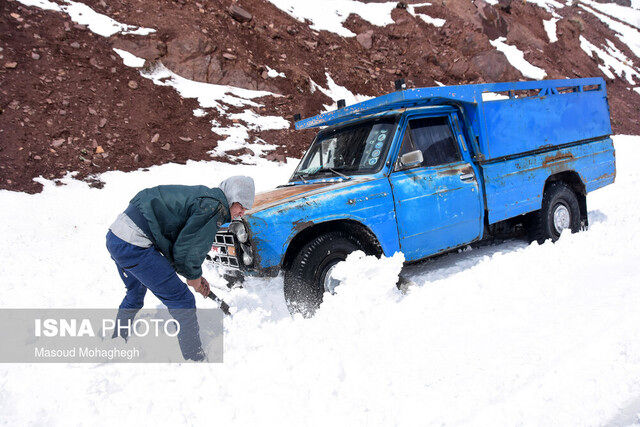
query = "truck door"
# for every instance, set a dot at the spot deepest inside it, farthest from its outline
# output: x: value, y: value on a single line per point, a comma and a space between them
x: 438, y: 205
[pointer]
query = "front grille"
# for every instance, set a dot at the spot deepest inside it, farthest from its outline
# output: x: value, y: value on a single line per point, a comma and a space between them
x: 223, y: 250
x: 224, y: 239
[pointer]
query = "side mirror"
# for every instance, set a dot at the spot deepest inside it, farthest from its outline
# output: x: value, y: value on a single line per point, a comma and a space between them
x: 411, y: 159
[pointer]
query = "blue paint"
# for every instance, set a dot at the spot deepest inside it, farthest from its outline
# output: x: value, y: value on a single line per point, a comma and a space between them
x: 507, y: 149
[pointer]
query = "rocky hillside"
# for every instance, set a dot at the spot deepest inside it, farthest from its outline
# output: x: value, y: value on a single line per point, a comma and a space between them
x: 123, y: 84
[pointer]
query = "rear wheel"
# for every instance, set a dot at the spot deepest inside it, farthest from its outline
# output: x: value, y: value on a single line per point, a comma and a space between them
x: 560, y: 211
x: 310, y: 274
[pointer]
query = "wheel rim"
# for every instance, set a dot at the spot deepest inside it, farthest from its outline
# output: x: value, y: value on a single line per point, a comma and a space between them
x: 561, y: 218
x: 330, y: 283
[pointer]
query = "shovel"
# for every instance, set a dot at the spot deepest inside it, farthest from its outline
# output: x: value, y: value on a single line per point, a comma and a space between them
x: 223, y: 305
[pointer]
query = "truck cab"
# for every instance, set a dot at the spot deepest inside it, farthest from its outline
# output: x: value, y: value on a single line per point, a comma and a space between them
x: 424, y: 171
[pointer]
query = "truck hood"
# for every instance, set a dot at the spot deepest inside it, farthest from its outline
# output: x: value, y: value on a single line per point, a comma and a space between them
x: 283, y: 195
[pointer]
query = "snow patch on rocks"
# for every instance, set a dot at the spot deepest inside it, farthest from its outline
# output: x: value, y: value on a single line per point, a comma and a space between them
x: 550, y: 28
x: 626, y: 33
x: 516, y: 58
x: 129, y: 59
x: 625, y: 14
x: 550, y: 6
x: 615, y: 62
x: 337, y: 92
x: 82, y: 14
x: 273, y: 73
x: 437, y: 22
x: 329, y: 15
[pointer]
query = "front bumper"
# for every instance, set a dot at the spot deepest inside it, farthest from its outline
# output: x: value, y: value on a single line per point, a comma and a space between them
x: 229, y: 255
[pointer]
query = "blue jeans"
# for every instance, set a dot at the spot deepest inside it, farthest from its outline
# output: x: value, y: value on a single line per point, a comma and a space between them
x: 146, y: 268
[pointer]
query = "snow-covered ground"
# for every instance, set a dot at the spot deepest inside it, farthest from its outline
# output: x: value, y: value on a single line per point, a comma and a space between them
x: 506, y: 334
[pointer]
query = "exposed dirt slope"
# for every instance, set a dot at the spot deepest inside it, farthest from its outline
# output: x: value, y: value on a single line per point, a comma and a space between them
x: 69, y: 97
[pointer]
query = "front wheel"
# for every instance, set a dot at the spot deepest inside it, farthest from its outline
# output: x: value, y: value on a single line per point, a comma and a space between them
x: 310, y: 274
x: 560, y: 210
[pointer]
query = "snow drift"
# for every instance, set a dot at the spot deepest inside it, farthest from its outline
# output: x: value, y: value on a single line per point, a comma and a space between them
x: 499, y: 334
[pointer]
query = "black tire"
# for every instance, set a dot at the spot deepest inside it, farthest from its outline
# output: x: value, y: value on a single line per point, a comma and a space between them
x: 558, y: 198
x: 304, y: 279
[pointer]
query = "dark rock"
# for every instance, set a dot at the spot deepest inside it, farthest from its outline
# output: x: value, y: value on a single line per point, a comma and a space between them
x: 239, y: 14
x: 276, y: 157
x: 94, y: 62
x: 493, y: 65
x: 365, y: 39
x: 311, y: 44
x: 474, y: 43
x: 520, y: 35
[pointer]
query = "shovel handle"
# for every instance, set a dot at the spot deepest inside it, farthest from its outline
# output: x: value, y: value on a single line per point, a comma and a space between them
x: 223, y: 305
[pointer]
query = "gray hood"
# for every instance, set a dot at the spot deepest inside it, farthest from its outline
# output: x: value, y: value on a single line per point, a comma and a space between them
x: 239, y: 189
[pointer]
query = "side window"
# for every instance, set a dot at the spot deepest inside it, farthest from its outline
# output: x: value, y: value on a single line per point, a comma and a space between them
x: 406, y: 147
x: 432, y: 136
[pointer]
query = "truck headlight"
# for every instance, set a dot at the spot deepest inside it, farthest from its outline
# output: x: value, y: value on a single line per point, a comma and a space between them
x: 247, y: 259
x: 247, y: 255
x: 237, y: 228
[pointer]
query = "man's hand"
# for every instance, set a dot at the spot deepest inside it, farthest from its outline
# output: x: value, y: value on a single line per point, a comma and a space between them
x: 200, y: 285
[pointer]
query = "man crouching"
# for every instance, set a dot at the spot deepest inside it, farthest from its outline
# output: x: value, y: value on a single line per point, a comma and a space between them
x: 166, y: 231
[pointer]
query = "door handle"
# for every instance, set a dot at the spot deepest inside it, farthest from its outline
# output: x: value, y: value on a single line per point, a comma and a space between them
x: 467, y: 177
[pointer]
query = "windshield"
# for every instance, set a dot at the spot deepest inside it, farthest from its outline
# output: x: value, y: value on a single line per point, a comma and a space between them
x: 355, y: 149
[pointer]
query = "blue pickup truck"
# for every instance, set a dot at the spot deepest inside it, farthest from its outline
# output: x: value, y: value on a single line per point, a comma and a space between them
x: 423, y: 171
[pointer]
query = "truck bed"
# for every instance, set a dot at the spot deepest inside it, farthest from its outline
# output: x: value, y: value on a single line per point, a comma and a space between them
x: 515, y: 186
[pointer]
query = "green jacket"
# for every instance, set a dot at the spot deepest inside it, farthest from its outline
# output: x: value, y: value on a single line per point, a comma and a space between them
x: 183, y: 221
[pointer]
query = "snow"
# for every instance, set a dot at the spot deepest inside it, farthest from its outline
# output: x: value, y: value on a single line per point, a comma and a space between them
x: 438, y: 22
x: 501, y: 334
x: 129, y: 59
x: 258, y: 122
x: 238, y: 134
x: 627, y: 34
x: 273, y: 73
x: 42, y: 4
x: 220, y: 97
x: 493, y: 96
x: 208, y: 95
x: 614, y: 60
x: 516, y: 58
x: 82, y: 14
x: 550, y: 6
x: 625, y: 14
x: 329, y: 15
x: 550, y: 28
x: 337, y: 92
